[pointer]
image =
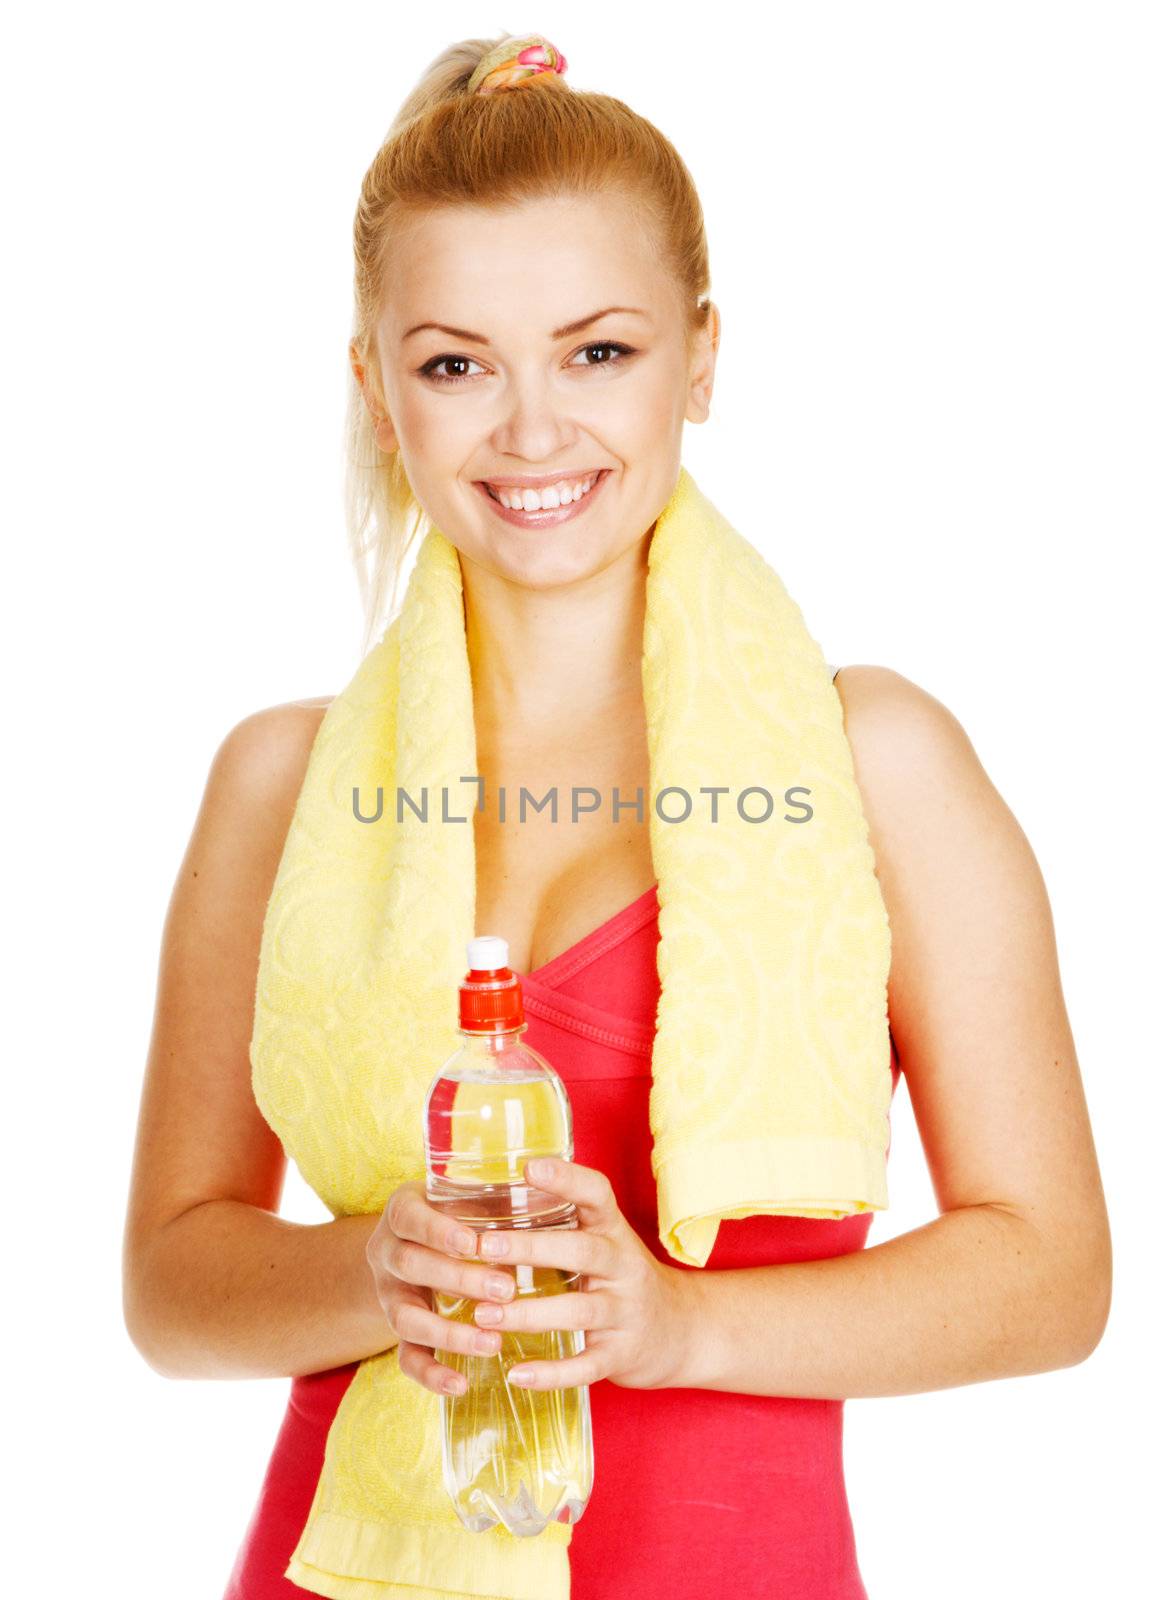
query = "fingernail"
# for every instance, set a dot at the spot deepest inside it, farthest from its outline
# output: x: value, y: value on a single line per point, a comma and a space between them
x: 488, y: 1314
x: 492, y: 1245
x: 464, y: 1243
x: 520, y: 1375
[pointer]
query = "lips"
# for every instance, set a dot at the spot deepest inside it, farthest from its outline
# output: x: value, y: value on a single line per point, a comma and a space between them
x: 546, y: 517
x: 549, y: 483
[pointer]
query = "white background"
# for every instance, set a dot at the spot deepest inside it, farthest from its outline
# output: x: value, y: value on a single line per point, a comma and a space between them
x: 932, y: 240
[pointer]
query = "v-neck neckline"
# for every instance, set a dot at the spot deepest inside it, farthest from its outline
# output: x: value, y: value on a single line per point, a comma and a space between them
x: 585, y: 950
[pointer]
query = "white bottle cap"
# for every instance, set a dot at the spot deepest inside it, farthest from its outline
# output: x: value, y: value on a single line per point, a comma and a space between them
x: 487, y: 953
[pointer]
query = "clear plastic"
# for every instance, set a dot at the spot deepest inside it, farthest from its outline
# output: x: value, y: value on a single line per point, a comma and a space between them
x: 511, y: 1455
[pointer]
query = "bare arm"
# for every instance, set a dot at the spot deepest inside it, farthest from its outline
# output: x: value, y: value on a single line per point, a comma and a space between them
x: 215, y: 1283
x: 238, y: 1292
x: 1014, y: 1276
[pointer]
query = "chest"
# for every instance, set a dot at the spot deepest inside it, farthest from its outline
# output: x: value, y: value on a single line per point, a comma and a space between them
x: 561, y: 840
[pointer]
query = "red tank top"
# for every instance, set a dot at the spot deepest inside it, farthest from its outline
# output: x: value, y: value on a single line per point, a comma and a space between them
x: 745, y: 1492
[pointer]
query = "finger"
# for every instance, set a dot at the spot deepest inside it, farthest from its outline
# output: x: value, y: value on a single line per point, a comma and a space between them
x: 417, y: 1324
x: 416, y: 1361
x: 411, y: 1216
x: 586, y: 1309
x: 571, y: 1250
x: 430, y: 1269
x: 589, y: 1188
x: 567, y: 1373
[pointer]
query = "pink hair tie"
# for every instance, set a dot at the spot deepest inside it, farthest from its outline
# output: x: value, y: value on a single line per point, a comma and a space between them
x: 515, y: 62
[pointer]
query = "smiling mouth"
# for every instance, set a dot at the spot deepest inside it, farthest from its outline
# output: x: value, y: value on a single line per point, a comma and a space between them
x: 545, y: 517
x: 596, y: 477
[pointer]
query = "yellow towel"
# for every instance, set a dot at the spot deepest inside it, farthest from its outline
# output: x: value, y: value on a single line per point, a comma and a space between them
x: 770, y: 1073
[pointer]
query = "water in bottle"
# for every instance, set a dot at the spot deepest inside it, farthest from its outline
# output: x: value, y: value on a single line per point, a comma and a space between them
x: 517, y: 1456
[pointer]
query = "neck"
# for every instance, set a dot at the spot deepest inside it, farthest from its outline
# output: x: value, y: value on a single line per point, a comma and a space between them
x: 545, y: 661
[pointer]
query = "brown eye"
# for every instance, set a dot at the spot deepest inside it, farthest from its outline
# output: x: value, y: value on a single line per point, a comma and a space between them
x: 430, y: 368
x: 625, y: 350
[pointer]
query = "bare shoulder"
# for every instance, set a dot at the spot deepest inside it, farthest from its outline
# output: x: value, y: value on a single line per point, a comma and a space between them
x: 900, y: 733
x: 924, y: 789
x: 937, y: 822
x: 259, y: 766
x: 269, y: 744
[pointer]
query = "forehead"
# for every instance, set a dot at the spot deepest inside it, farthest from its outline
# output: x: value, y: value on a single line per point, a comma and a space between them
x: 536, y: 265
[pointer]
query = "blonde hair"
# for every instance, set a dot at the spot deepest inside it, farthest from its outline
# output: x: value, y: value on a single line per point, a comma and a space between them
x: 450, y: 147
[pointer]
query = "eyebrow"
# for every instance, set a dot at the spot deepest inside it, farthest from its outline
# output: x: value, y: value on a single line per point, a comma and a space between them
x: 559, y: 333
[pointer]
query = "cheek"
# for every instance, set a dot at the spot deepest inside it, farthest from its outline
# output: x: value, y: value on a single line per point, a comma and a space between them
x: 642, y: 410
x: 431, y: 429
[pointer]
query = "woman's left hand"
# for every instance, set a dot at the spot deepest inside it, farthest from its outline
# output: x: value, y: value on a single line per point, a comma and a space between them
x: 632, y: 1310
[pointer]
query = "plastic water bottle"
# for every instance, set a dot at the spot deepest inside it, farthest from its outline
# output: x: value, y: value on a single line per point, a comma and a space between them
x: 511, y: 1455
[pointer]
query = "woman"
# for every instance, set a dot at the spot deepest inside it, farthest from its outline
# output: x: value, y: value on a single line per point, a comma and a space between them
x: 532, y: 331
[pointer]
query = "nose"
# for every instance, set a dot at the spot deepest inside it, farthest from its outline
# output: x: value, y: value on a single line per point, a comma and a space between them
x: 534, y: 422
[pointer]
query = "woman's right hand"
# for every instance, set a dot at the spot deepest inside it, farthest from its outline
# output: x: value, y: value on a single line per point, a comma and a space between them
x: 414, y: 1250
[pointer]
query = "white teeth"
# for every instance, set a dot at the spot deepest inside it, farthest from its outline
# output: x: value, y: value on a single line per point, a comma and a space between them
x: 557, y: 494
